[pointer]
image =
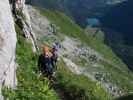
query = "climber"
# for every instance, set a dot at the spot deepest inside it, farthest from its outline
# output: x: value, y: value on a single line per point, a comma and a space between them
x: 44, y: 62
x: 54, y: 51
x: 48, y: 59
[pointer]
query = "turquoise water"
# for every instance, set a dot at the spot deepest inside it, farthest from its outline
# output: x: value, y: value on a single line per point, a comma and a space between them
x: 92, y: 21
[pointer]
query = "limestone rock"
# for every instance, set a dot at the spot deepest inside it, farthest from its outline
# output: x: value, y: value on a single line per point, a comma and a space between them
x: 7, y: 46
x: 24, y: 18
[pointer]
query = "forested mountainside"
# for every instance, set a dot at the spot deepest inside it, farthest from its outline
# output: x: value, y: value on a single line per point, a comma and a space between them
x: 119, y: 34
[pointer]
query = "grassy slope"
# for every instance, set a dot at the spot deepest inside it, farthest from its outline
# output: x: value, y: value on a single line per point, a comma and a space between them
x: 68, y: 27
x: 75, y: 87
x: 31, y: 86
x: 78, y: 87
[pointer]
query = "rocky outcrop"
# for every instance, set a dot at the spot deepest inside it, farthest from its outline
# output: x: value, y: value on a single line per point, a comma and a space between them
x: 40, y: 25
x: 21, y: 14
x: 7, y: 46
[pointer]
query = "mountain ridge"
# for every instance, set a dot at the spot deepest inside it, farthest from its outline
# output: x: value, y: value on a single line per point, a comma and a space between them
x: 77, y: 9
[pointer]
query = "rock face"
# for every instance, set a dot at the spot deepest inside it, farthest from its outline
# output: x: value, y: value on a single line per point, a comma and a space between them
x: 20, y: 4
x: 8, y: 38
x: 24, y: 18
x: 40, y: 25
x: 27, y: 29
x: 7, y: 46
